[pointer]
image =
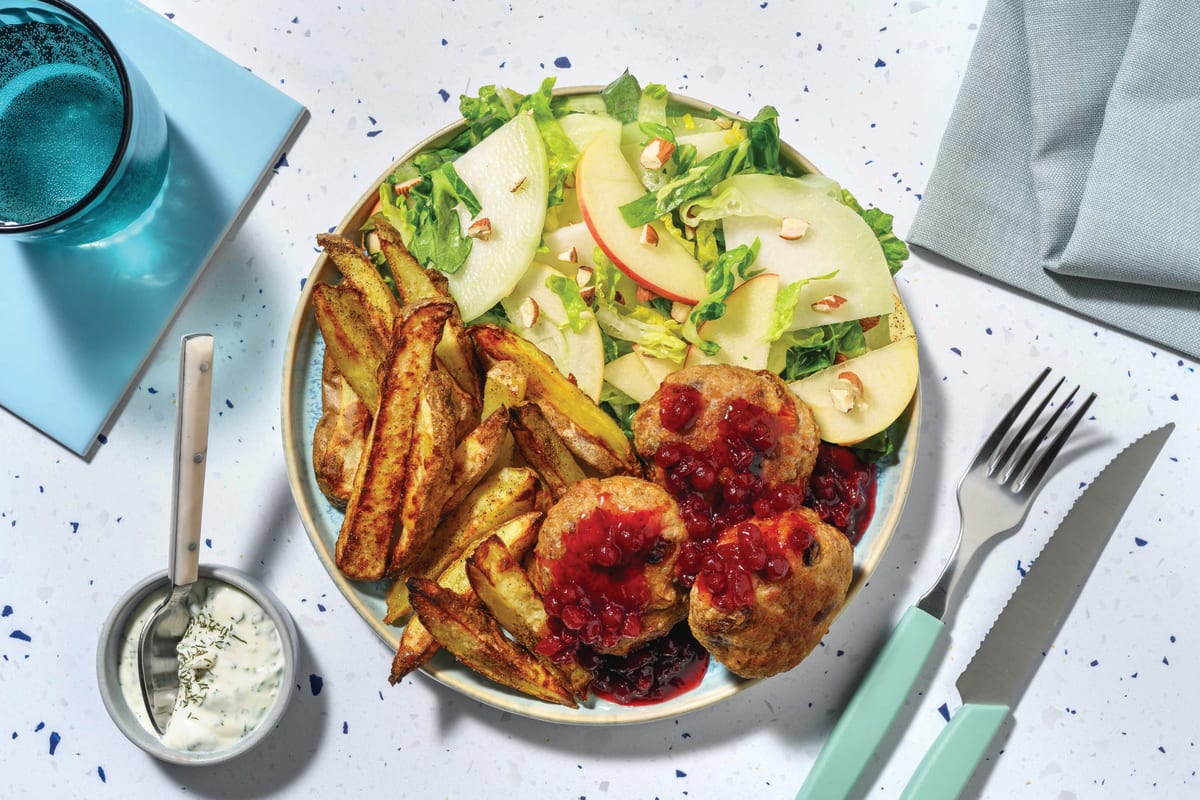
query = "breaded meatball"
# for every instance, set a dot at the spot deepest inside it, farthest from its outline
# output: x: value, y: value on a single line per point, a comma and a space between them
x: 734, y: 395
x: 767, y: 594
x: 728, y: 443
x: 605, y: 564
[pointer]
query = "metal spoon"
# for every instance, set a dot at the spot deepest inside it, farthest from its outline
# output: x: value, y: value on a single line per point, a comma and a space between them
x: 158, y: 662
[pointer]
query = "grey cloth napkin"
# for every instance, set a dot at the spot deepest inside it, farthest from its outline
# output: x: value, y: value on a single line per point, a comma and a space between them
x: 1071, y: 164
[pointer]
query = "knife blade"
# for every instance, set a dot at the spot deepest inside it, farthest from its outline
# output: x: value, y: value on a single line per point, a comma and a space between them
x: 1011, y: 652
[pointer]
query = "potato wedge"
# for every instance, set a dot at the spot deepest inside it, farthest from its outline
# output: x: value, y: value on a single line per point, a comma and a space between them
x: 341, y: 435
x: 351, y: 340
x: 475, y: 639
x: 590, y: 433
x: 476, y: 454
x: 455, y: 351
x: 503, y: 387
x: 464, y: 406
x: 497, y: 579
x: 417, y: 644
x: 544, y: 449
x: 368, y: 529
x: 500, y: 497
x: 427, y: 475
x: 359, y: 273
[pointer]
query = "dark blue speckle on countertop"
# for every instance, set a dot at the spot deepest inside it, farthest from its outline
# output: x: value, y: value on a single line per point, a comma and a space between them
x: 944, y: 710
x: 680, y: 773
x: 879, y: 63
x: 54, y: 740
x: 562, y: 62
x: 20, y: 634
x: 100, y: 774
x: 6, y: 611
x: 1139, y: 541
x: 345, y: 727
x: 315, y: 684
x: 442, y: 93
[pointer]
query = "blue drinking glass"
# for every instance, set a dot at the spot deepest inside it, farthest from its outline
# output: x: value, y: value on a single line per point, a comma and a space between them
x: 83, y: 140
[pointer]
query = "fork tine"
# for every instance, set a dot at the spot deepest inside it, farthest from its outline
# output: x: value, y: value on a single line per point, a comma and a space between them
x: 1031, y: 446
x: 999, y: 461
x: 1029, y: 482
x: 988, y: 449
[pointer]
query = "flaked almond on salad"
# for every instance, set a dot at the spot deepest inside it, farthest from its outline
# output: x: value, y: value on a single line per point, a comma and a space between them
x: 610, y: 375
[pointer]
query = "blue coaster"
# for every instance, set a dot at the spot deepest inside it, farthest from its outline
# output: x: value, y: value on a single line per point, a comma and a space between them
x: 79, y: 323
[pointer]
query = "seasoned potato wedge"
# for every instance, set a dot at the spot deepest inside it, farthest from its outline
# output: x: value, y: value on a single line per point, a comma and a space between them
x: 455, y: 351
x: 417, y: 644
x: 360, y: 274
x: 544, y: 449
x: 350, y: 339
x: 501, y: 496
x: 427, y: 476
x: 368, y: 529
x: 340, y: 436
x: 476, y: 454
x: 475, y: 639
x: 591, y: 434
x: 495, y: 575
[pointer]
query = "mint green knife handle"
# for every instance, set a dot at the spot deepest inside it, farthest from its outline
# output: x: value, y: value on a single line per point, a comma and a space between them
x: 955, y: 754
x: 873, y: 708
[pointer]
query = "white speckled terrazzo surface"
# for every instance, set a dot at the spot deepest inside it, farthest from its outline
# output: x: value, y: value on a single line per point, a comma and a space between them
x: 864, y: 90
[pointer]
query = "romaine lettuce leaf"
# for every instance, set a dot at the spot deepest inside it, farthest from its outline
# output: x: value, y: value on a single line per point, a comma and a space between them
x: 567, y: 290
x: 758, y: 152
x: 813, y: 349
x: 622, y: 97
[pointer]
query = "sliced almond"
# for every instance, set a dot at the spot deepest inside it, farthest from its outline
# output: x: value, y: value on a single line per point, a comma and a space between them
x: 792, y: 229
x: 480, y: 229
x: 656, y: 153
x: 868, y: 323
x: 852, y: 379
x: 570, y: 256
x: 407, y: 186
x: 588, y: 294
x: 517, y: 184
x: 644, y: 295
x: 649, y: 236
x: 569, y: 181
x: 829, y: 302
x: 680, y: 311
x: 583, y: 276
x: 529, y: 311
x: 842, y: 398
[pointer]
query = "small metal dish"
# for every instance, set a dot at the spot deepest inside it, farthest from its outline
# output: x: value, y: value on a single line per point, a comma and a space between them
x: 112, y: 640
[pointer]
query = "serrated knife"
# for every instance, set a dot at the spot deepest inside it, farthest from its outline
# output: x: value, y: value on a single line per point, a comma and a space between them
x: 1002, y: 667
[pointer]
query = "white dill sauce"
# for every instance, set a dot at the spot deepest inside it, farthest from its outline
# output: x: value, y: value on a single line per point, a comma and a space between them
x: 230, y: 666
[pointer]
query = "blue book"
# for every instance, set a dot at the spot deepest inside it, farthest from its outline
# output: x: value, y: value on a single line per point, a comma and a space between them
x: 79, y: 323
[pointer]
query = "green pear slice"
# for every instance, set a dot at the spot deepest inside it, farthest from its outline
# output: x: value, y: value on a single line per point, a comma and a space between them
x: 836, y: 239
x: 492, y: 169
x: 742, y: 330
x: 847, y: 414
x: 578, y: 355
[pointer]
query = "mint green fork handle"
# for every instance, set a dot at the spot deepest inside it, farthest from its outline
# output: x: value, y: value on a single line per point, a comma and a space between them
x: 955, y: 754
x: 873, y: 708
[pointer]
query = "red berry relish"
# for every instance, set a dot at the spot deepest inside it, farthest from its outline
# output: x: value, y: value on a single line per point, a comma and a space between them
x: 745, y: 552
x: 842, y: 490
x: 600, y: 590
x: 651, y: 673
x: 722, y: 484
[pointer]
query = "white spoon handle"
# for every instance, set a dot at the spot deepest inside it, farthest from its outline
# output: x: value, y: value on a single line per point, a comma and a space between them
x: 191, y: 455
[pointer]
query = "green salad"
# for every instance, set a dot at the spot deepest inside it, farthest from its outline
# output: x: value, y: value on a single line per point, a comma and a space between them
x: 629, y: 235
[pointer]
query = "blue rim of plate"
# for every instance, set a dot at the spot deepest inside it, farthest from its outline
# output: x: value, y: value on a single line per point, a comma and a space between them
x: 301, y: 408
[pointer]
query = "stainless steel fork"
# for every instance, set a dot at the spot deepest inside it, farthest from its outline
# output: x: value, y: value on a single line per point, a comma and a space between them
x: 994, y: 497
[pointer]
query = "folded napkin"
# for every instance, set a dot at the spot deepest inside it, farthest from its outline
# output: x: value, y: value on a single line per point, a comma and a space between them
x: 1070, y: 167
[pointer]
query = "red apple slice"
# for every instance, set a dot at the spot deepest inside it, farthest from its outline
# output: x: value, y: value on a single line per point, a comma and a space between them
x: 604, y: 182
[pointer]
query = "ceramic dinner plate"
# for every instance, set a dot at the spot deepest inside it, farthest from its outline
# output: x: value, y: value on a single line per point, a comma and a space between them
x: 301, y: 405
